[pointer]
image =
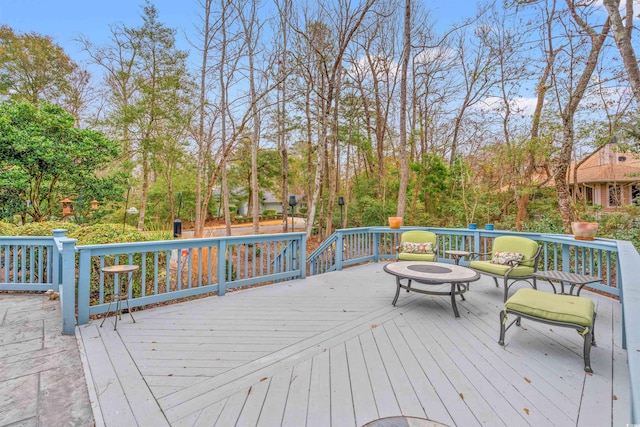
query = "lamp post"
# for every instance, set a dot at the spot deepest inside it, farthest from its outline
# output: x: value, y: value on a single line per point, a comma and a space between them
x: 341, y: 204
x: 177, y: 223
x: 292, y: 203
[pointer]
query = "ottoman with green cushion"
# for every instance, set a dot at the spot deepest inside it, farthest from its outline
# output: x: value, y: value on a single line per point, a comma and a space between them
x: 560, y: 310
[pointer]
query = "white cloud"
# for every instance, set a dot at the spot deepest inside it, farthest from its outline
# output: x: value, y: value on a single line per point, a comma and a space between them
x: 521, y: 106
x: 380, y: 64
x: 430, y: 55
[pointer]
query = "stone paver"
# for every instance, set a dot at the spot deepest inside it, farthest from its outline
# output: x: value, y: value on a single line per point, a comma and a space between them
x: 42, y: 382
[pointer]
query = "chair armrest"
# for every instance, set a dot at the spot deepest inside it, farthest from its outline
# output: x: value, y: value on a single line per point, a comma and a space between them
x: 533, y: 258
x: 475, y: 255
x: 522, y: 261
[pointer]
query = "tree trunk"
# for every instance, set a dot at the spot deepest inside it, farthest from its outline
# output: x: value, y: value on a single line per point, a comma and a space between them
x: 562, y: 162
x: 200, y: 172
x: 622, y: 36
x: 404, y: 164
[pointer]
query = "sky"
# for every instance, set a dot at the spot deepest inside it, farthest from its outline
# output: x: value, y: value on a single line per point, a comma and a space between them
x: 66, y: 20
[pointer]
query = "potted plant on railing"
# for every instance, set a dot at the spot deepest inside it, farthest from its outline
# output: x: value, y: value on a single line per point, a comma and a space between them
x: 395, y: 221
x: 584, y: 230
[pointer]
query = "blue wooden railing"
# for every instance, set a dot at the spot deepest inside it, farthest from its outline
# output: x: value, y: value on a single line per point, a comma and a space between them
x: 560, y: 252
x: 177, y: 269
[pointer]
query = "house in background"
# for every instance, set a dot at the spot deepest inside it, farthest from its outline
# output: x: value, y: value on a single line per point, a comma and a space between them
x: 609, y: 177
x: 270, y: 201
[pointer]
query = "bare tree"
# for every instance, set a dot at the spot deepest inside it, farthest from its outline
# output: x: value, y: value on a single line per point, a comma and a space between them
x: 622, y: 36
x: 523, y: 186
x: 576, y: 89
x: 477, y: 65
x: 402, y: 148
x: 347, y: 20
x: 202, y: 137
x: 248, y: 17
x: 283, y: 45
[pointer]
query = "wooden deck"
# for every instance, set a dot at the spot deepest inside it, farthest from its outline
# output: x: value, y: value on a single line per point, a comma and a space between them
x: 331, y: 350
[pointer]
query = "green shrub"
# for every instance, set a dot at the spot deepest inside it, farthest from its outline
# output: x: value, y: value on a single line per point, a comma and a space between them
x: 43, y: 229
x: 110, y: 233
x: 7, y: 229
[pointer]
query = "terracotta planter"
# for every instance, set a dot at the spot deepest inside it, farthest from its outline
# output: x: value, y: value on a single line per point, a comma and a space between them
x: 395, y: 221
x: 584, y: 230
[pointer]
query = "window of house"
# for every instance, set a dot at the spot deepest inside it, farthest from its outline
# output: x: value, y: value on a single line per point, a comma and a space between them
x: 615, y: 195
x: 588, y: 195
x: 635, y: 195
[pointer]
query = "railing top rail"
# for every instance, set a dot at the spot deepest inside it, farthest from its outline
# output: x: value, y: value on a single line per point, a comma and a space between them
x: 328, y: 241
x: 28, y: 240
x: 189, y: 243
x: 598, y: 243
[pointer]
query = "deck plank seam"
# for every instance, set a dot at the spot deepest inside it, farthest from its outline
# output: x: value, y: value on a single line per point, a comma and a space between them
x: 359, y: 324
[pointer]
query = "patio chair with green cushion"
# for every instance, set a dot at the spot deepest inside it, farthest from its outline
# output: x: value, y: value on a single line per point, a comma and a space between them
x: 512, y: 258
x: 418, y: 245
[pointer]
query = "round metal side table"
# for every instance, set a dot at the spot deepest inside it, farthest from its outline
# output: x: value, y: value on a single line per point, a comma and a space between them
x: 121, y: 291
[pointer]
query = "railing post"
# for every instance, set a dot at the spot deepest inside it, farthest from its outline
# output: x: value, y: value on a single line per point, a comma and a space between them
x: 68, y: 288
x: 303, y: 256
x: 566, y: 257
x: 376, y: 243
x: 56, y: 273
x: 339, y: 249
x: 476, y: 242
x: 222, y: 265
x: 84, y: 286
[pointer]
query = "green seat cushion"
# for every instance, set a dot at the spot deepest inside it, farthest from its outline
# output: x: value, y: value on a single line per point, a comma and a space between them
x: 419, y: 236
x: 408, y: 256
x: 522, y: 245
x: 548, y: 306
x: 500, y: 269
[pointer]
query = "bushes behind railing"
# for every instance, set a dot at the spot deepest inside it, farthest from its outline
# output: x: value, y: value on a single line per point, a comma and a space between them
x: 176, y: 269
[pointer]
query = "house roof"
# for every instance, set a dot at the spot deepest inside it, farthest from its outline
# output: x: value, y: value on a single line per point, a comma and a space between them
x: 607, y: 164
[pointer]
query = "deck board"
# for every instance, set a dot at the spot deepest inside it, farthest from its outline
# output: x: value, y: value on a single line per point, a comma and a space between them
x: 295, y: 412
x: 364, y: 405
x: 330, y: 350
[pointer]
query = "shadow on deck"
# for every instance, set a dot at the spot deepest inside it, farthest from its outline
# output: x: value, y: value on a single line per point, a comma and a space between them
x: 332, y: 350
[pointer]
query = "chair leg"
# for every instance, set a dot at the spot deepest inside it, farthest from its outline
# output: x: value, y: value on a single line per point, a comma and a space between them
x: 506, y: 289
x: 502, y: 328
x: 588, y: 342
